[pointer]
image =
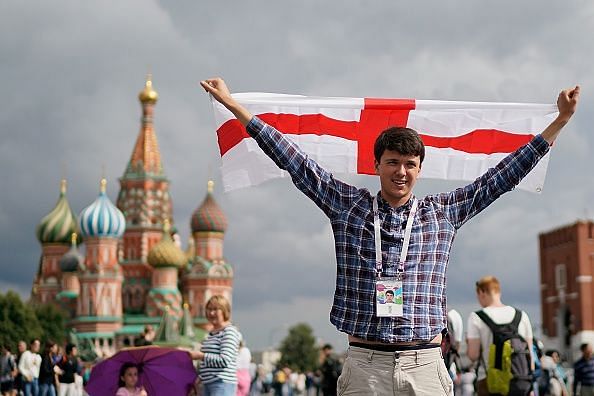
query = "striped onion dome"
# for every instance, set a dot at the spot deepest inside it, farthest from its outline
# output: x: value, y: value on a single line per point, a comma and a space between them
x: 166, y: 253
x: 209, y: 216
x: 102, y: 218
x: 60, y: 223
x: 72, y: 259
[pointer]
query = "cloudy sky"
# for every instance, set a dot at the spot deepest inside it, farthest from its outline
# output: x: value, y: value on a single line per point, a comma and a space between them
x: 70, y: 73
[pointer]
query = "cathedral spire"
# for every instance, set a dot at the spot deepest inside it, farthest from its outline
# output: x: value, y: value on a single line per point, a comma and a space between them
x: 146, y: 157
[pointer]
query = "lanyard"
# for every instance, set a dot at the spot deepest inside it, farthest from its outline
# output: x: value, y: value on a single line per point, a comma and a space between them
x: 378, y: 237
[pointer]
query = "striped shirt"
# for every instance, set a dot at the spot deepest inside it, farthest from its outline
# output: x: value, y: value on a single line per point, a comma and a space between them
x: 435, y: 225
x: 220, y: 356
x: 583, y: 372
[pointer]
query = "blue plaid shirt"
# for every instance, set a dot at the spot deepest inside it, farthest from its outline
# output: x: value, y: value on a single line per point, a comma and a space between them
x: 350, y: 212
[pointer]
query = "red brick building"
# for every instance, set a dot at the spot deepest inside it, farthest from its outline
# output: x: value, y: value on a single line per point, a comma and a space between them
x: 567, y: 295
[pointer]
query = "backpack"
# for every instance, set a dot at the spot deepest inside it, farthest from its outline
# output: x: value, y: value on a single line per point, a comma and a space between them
x: 448, y: 351
x: 508, y: 369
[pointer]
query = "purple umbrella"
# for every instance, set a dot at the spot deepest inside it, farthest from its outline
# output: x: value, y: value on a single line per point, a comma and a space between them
x: 162, y: 371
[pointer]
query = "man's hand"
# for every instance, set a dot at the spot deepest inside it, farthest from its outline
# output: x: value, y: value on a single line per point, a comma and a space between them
x: 218, y: 89
x: 567, y: 104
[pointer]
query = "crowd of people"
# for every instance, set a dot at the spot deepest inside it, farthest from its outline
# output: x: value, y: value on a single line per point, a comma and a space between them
x: 225, y: 364
x: 32, y: 372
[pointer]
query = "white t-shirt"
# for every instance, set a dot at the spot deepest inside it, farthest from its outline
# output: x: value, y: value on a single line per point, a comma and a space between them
x: 479, y: 329
x: 244, y: 357
x: 455, y: 325
x: 29, y: 365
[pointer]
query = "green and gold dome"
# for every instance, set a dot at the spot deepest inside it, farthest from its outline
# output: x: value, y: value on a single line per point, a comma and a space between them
x: 60, y: 223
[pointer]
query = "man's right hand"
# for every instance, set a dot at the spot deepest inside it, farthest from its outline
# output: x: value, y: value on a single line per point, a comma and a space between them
x: 218, y: 89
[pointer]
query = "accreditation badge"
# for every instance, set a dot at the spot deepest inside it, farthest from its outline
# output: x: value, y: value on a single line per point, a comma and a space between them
x: 388, y: 297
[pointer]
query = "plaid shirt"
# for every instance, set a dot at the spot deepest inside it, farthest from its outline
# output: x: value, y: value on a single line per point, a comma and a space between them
x: 350, y: 212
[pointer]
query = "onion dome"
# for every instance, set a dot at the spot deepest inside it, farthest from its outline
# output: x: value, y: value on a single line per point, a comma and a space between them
x: 148, y: 94
x: 72, y: 259
x: 60, y: 223
x: 102, y: 218
x: 209, y: 216
x: 166, y: 253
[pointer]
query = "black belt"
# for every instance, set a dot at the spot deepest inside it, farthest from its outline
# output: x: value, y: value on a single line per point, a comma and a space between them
x: 393, y: 347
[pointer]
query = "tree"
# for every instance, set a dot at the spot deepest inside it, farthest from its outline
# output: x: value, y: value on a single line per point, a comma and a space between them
x: 53, y: 322
x: 298, y: 349
x: 17, y: 321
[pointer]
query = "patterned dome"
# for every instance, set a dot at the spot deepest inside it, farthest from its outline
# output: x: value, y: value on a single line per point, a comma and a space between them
x: 166, y: 253
x: 102, y: 218
x: 60, y: 223
x: 209, y: 217
x: 72, y: 259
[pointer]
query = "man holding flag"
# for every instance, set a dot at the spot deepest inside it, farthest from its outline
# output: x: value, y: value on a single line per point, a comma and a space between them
x: 393, y: 241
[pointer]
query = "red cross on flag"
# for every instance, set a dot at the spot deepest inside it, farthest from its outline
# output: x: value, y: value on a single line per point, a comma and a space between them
x: 462, y: 139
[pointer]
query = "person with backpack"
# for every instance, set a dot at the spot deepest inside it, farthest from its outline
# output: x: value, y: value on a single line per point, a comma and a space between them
x: 499, y: 336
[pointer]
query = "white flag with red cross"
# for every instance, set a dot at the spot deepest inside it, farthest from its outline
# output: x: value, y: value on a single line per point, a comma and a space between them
x: 462, y: 139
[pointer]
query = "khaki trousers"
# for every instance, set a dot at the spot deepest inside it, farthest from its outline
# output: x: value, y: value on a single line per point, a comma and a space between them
x: 378, y: 373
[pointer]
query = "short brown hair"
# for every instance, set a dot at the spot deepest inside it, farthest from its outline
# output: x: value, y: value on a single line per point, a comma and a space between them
x: 404, y: 141
x: 221, y: 302
x: 488, y: 284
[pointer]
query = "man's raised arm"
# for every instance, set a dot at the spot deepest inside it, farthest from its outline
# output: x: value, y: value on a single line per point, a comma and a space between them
x: 567, y: 104
x: 218, y: 89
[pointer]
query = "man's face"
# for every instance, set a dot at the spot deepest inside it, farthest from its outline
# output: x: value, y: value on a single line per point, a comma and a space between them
x: 35, y: 346
x: 22, y: 346
x: 398, y: 174
x: 389, y: 297
x: 74, y: 351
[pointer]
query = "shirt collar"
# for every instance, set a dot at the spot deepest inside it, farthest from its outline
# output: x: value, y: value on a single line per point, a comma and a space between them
x: 383, y: 205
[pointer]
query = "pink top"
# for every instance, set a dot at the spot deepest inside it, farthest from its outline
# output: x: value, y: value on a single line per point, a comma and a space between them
x: 125, y: 392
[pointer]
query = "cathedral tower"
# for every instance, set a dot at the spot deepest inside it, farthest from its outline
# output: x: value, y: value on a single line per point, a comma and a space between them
x: 99, y: 306
x: 70, y: 263
x: 144, y: 199
x: 53, y: 232
x: 208, y: 274
x: 166, y: 258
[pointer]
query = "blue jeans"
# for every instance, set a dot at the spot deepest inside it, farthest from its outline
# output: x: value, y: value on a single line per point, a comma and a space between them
x: 31, y: 388
x: 47, y: 390
x: 219, y: 388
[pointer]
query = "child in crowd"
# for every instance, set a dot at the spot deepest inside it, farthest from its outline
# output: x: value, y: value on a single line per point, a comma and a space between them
x: 128, y: 381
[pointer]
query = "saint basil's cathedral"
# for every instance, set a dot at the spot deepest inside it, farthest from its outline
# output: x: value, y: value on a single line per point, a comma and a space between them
x: 133, y: 271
